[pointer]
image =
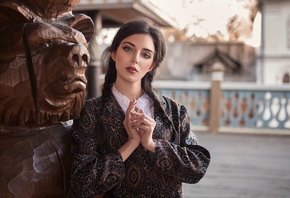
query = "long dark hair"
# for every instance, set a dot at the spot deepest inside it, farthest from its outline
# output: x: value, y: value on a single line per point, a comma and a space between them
x: 136, y: 26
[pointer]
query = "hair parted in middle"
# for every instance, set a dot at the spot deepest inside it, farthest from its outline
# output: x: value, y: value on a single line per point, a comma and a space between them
x: 137, y: 26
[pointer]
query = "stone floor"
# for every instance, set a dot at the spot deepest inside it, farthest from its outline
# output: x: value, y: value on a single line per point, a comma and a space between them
x: 244, y: 166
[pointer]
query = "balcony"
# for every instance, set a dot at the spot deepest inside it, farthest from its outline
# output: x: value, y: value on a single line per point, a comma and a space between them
x: 243, y: 107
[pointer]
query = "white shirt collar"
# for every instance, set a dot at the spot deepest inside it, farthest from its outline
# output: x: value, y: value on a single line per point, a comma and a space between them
x: 144, y: 102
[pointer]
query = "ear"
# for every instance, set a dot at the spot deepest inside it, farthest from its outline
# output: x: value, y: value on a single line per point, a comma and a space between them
x: 13, y: 13
x: 84, y: 24
x: 113, y: 56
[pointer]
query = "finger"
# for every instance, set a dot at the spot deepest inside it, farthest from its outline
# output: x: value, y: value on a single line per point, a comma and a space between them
x: 143, y: 128
x: 131, y: 108
x: 132, y: 104
x: 146, y: 127
x: 140, y: 114
x: 142, y: 120
x: 137, y: 115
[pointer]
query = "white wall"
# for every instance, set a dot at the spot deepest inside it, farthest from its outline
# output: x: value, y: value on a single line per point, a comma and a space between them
x: 276, y: 40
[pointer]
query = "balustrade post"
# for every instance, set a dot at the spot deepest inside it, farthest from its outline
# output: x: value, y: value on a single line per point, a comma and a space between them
x: 216, y: 96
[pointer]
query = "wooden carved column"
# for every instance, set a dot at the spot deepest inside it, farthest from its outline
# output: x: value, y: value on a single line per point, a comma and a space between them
x: 43, y: 58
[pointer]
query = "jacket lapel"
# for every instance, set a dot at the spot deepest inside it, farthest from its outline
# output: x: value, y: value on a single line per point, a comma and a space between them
x: 163, y: 113
x: 113, y: 123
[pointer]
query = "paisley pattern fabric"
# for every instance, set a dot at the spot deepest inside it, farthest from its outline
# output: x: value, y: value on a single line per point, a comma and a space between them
x: 97, y: 166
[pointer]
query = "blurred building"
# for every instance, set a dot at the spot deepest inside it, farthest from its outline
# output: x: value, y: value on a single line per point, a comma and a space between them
x: 274, y: 55
x: 191, y: 61
x: 267, y: 64
x: 113, y: 13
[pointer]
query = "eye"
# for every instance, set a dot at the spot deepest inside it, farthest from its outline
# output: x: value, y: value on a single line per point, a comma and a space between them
x: 146, y: 55
x: 127, y: 49
x: 43, y: 46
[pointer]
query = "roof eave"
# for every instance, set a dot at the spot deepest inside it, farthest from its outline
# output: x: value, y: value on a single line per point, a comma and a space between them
x: 141, y: 7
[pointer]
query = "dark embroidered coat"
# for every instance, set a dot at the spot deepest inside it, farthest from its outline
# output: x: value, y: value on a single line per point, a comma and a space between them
x: 98, y: 167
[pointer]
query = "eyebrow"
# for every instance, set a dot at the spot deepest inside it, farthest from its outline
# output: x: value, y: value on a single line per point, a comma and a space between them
x: 127, y: 42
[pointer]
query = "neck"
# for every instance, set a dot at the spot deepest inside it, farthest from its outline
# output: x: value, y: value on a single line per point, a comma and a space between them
x: 131, y: 91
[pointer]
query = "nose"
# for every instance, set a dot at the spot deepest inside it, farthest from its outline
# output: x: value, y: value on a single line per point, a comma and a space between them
x: 79, y: 56
x: 135, y: 58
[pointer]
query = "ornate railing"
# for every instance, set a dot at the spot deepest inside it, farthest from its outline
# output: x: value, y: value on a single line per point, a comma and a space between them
x: 244, y: 107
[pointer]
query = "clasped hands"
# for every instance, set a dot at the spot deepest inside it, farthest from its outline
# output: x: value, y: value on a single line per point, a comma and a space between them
x: 139, y: 126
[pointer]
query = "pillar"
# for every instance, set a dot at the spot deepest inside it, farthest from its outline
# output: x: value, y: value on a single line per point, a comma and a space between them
x: 94, y: 69
x: 216, y: 97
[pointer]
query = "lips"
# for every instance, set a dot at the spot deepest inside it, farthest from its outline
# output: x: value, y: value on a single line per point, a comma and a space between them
x: 75, y: 86
x: 131, y: 69
x: 70, y: 86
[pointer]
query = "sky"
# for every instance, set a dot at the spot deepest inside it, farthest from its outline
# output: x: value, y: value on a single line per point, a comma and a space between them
x: 204, y: 17
x: 214, y: 12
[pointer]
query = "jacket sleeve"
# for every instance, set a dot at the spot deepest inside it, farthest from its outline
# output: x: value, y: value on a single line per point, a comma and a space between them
x: 92, y: 172
x: 183, y: 159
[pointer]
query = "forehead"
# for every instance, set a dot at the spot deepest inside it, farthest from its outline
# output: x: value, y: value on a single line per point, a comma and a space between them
x: 140, y: 41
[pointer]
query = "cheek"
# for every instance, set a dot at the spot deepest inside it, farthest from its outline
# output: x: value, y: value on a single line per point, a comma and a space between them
x: 119, y: 58
x: 48, y: 70
x: 146, y: 65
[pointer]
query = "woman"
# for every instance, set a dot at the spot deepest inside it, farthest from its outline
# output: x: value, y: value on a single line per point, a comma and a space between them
x: 132, y: 141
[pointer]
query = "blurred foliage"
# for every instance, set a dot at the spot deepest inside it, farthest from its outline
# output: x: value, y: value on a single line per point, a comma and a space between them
x: 239, y: 27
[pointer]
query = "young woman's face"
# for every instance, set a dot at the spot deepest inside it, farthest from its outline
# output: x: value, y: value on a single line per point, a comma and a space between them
x: 134, y: 58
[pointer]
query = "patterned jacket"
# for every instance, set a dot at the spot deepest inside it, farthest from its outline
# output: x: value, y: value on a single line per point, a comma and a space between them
x: 98, y: 167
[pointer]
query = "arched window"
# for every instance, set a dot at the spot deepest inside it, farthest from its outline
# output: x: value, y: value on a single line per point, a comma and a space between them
x: 286, y: 78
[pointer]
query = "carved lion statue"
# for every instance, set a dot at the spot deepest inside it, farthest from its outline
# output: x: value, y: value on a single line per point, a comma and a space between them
x: 43, y: 59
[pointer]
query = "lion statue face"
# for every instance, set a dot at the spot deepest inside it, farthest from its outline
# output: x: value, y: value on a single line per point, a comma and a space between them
x: 43, y: 58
